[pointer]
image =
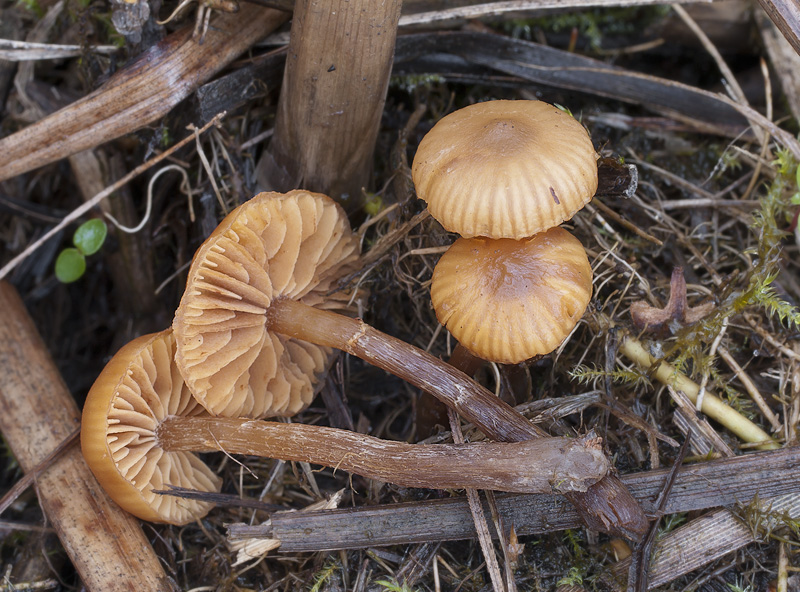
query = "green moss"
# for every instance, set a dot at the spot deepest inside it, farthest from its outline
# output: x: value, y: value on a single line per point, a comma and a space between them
x: 691, y: 342
x: 593, y: 24
x: 590, y: 375
x: 322, y: 576
x: 411, y: 82
x: 766, y: 523
x: 573, y: 578
x: 393, y: 586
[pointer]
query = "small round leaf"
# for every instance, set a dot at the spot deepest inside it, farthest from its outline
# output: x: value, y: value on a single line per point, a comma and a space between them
x: 70, y: 265
x: 90, y: 235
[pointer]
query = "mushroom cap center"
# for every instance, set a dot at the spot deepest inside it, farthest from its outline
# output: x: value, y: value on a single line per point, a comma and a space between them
x: 506, y: 300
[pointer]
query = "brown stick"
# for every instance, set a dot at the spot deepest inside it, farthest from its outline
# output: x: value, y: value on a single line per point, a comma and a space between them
x: 723, y: 482
x: 539, y: 466
x: 606, y: 506
x: 37, y: 412
x: 142, y: 92
x: 334, y: 88
x: 786, y: 16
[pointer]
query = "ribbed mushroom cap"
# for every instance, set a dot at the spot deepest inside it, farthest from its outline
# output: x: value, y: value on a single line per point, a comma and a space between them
x: 273, y: 246
x: 507, y: 300
x: 505, y: 169
x: 137, y: 389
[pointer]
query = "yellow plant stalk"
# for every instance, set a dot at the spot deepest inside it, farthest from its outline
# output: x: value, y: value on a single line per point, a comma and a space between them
x: 712, y: 405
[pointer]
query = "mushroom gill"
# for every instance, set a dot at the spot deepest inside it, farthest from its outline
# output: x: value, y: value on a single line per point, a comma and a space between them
x: 274, y: 247
x: 139, y: 388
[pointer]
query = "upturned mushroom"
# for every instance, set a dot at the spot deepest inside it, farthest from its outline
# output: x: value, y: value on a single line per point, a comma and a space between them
x: 231, y: 309
x: 258, y: 287
x: 268, y: 253
x: 135, y: 392
x: 141, y: 428
x: 505, y: 169
x: 510, y: 300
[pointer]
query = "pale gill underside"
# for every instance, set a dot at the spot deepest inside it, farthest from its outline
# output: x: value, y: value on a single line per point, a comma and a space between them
x: 151, y: 390
x: 274, y: 246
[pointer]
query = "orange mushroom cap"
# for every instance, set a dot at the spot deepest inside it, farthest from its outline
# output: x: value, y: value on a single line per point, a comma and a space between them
x: 273, y: 246
x: 505, y: 169
x: 136, y: 390
x: 507, y: 300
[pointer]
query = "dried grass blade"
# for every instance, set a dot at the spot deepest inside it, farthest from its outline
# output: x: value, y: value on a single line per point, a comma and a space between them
x: 703, y: 485
x: 709, y: 111
x: 37, y: 412
x: 473, y: 11
x: 142, y: 92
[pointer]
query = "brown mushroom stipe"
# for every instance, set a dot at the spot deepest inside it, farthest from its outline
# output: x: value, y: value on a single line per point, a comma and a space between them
x: 136, y: 390
x: 141, y: 427
x: 505, y: 169
x: 273, y: 247
x: 473, y: 402
x: 535, y: 289
x: 536, y: 466
x: 222, y: 321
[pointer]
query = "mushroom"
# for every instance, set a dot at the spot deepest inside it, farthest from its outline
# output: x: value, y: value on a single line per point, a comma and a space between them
x: 141, y: 427
x: 505, y: 169
x: 540, y: 287
x: 233, y: 306
x: 509, y: 170
x: 509, y: 300
x: 273, y: 249
x: 138, y: 389
x: 257, y: 290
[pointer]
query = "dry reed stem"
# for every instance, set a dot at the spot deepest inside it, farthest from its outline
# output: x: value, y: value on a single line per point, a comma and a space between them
x: 37, y: 412
x: 142, y: 92
x: 711, y: 405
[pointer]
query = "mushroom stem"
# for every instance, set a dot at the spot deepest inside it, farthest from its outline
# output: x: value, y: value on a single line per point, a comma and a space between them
x: 431, y: 412
x: 535, y: 466
x: 607, y: 505
x: 455, y: 389
x: 464, y: 360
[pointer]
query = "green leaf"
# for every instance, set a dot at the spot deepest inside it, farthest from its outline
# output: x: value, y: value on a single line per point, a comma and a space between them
x: 90, y: 235
x: 70, y: 265
x: 373, y: 204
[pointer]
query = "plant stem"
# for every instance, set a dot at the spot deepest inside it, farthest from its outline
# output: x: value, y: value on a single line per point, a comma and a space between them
x: 535, y: 466
x: 712, y: 406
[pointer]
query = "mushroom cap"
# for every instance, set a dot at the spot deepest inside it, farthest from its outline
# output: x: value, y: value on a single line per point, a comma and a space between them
x: 273, y: 246
x: 507, y: 300
x: 136, y: 390
x: 505, y: 169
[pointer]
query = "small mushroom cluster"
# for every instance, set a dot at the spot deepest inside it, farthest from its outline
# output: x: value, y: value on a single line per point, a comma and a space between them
x: 219, y: 359
x: 504, y: 175
x: 253, y: 332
